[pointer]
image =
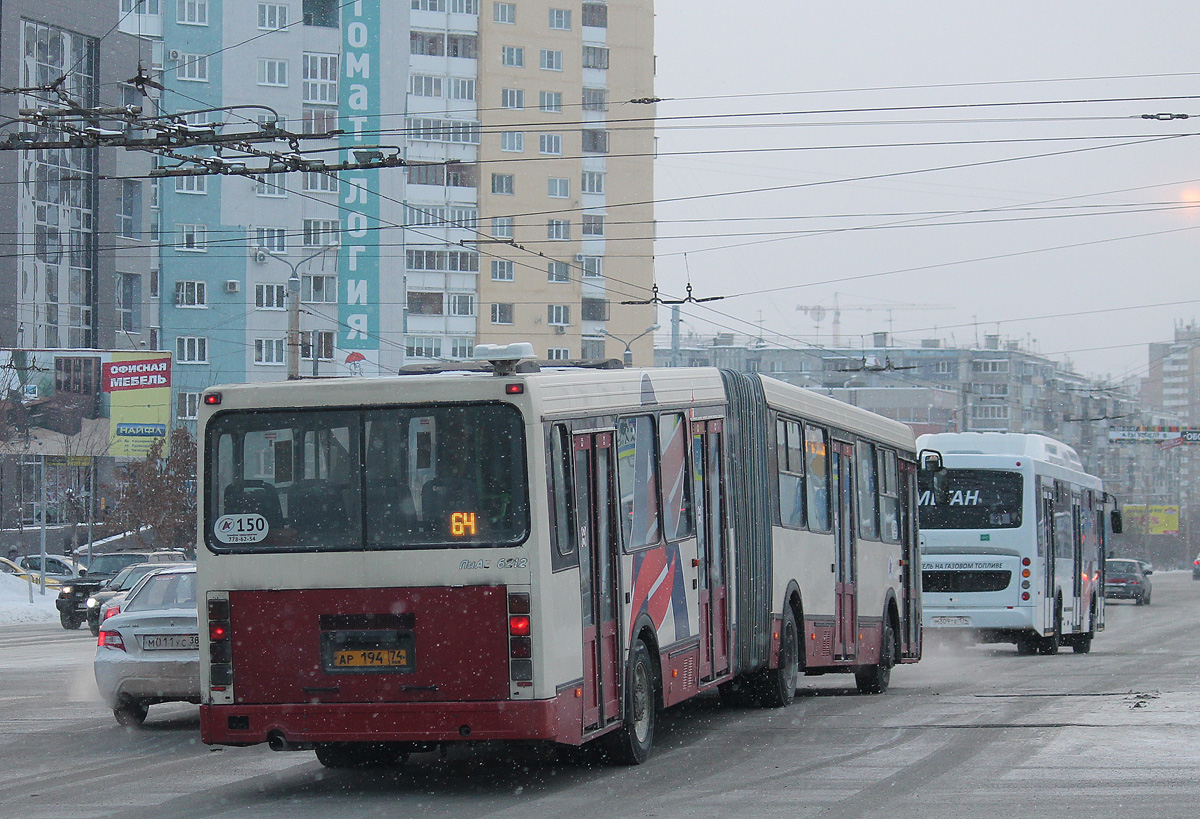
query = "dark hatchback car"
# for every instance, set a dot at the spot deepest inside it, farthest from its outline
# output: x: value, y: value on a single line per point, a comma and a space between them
x: 1127, y: 580
x: 72, y: 597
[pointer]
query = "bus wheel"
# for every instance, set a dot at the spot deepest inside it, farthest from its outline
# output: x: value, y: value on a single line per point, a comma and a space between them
x: 874, y: 679
x: 1050, y: 644
x: 779, y: 684
x: 1027, y: 645
x: 631, y: 744
x: 1082, y: 644
x: 359, y: 754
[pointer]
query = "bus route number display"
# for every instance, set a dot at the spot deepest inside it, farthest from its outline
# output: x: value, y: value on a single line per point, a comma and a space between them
x: 462, y: 524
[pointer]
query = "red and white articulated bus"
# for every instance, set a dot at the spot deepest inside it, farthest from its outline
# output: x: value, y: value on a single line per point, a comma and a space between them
x: 539, y: 553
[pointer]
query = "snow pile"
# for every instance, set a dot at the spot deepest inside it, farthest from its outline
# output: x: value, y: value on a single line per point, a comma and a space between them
x: 15, y: 606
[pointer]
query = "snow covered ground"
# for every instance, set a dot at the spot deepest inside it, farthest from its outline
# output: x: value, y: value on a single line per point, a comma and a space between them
x: 15, y: 606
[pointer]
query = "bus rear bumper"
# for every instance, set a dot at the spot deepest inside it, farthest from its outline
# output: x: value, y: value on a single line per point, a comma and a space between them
x: 981, y: 619
x: 293, y: 724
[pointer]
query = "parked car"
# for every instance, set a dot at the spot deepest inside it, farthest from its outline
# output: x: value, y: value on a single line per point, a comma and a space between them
x: 1125, y: 579
x: 60, y: 568
x: 8, y: 567
x: 1196, y: 568
x: 72, y: 597
x: 102, y: 602
x: 149, y: 653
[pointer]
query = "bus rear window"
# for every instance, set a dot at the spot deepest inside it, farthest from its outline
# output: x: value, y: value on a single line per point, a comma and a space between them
x: 972, y: 499
x: 391, y: 478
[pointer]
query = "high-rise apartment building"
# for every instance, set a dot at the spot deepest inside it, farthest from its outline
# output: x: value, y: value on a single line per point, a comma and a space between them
x: 512, y: 218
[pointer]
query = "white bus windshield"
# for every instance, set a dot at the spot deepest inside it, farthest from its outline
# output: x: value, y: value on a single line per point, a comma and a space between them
x: 388, y: 478
x: 971, y: 499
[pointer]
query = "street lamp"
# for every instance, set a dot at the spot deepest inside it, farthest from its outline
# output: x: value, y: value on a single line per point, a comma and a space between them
x: 293, y: 287
x: 628, y: 357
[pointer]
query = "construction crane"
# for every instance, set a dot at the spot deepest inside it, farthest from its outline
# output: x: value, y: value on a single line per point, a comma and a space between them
x: 818, y: 312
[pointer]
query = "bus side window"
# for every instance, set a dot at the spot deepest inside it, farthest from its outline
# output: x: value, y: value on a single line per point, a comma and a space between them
x: 889, y: 496
x: 637, y: 470
x: 790, y: 456
x: 868, y: 499
x: 562, y: 519
x: 677, y: 489
x: 816, y: 451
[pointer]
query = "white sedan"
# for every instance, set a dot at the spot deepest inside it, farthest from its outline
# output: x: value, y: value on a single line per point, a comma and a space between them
x: 149, y: 653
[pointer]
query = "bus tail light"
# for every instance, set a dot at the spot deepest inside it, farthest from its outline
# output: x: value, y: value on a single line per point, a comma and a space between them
x: 220, y: 648
x: 520, y: 640
x: 1024, y: 595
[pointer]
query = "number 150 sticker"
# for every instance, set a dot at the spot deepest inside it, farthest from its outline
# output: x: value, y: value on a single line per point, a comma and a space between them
x: 249, y: 528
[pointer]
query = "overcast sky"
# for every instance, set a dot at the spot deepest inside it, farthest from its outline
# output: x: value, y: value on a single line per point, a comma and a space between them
x: 1086, y: 200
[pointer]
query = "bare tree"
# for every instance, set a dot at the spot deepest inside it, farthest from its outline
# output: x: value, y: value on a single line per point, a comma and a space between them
x: 156, y: 496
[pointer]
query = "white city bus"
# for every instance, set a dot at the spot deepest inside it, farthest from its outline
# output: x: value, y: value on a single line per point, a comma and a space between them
x: 1012, y: 542
x: 517, y: 553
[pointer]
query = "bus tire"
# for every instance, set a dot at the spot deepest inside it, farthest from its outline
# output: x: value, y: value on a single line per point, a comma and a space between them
x: 1027, y: 646
x: 1050, y: 645
x: 1082, y: 644
x: 779, y: 684
x: 874, y: 679
x: 359, y: 754
x: 632, y: 742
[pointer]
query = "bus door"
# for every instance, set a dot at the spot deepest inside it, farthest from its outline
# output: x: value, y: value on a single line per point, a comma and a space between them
x: 1046, y: 540
x: 911, y: 557
x: 595, y: 499
x: 845, y: 626
x: 713, y: 598
x: 1077, y: 605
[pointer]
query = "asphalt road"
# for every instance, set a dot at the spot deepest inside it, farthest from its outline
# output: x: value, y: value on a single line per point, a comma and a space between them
x: 969, y: 732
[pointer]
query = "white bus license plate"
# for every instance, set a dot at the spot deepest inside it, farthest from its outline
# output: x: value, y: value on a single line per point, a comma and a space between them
x: 159, y: 642
x: 952, y: 621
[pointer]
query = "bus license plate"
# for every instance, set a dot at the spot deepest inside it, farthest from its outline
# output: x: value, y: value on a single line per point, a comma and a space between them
x: 952, y: 621
x: 396, y: 658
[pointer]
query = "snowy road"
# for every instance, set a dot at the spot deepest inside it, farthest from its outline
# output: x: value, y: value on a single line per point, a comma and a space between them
x: 976, y: 732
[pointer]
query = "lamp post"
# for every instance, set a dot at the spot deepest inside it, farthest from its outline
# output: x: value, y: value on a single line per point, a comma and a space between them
x: 293, y: 331
x: 628, y: 357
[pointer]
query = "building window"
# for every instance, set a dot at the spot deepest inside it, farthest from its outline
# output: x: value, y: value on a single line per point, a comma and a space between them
x: 558, y: 272
x: 191, y: 350
x: 504, y: 13
x: 272, y: 16
x: 269, y: 351
x: 941, y: 367
x: 423, y: 347
x: 558, y: 230
x: 991, y: 366
x: 513, y: 141
x: 593, y: 266
x: 319, y: 289
x: 558, y: 314
x: 558, y: 354
x: 320, y: 182
x: 321, y: 232
x: 593, y: 224
x: 428, y: 5
x: 592, y: 182
x: 464, y: 7
x: 502, y: 227
x: 324, y: 343
x: 550, y: 144
x: 424, y: 304
x: 318, y: 119
x: 595, y: 57
x: 271, y: 239
x: 270, y: 184
x: 452, y: 260
x: 428, y: 43
x: 187, y: 404
x: 129, y: 214
x: 322, y: 13
x: 273, y: 72
x: 462, y: 304
x: 595, y: 141
x: 551, y: 60
x: 513, y: 56
x: 192, y: 68
x: 320, y: 79
x: 462, y: 347
x: 191, y: 184
x: 447, y: 216
x: 192, y: 13
x: 502, y: 183
x: 464, y: 46
x: 592, y: 349
x: 148, y: 7
x: 460, y: 88
x: 595, y: 99
x: 560, y: 19
x: 502, y: 270
x: 595, y: 14
x: 594, y: 309
x: 191, y: 237
x: 129, y: 302
x: 191, y: 294
x: 270, y: 296
x: 155, y: 278
x: 558, y: 187
x: 551, y: 102
x: 512, y: 98
x: 502, y: 314
x: 425, y: 85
